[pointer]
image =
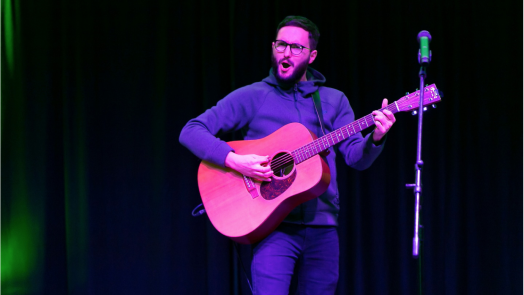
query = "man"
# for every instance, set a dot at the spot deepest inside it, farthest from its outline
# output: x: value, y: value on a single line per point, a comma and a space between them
x: 307, y: 239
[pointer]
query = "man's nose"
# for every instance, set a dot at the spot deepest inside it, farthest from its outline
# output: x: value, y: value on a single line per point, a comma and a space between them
x: 287, y: 51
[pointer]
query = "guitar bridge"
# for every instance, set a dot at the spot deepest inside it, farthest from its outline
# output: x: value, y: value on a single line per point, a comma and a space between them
x: 250, y: 186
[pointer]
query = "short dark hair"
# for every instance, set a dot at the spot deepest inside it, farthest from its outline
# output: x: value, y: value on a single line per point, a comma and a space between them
x: 304, y: 23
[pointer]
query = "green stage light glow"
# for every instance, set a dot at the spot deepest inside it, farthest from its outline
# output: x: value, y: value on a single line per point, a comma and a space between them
x: 22, y: 219
x: 21, y: 237
x: 8, y: 34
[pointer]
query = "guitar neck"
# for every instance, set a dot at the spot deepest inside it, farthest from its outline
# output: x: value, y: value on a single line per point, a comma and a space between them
x: 325, y: 142
x: 410, y: 101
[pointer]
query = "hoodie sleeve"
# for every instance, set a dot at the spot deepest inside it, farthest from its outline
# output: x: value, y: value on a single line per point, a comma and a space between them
x: 230, y: 114
x: 359, y: 152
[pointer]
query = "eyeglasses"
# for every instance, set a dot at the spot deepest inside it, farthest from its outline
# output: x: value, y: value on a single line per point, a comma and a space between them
x: 296, y: 49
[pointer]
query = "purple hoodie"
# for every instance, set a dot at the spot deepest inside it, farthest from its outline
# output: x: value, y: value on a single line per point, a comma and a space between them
x: 260, y: 109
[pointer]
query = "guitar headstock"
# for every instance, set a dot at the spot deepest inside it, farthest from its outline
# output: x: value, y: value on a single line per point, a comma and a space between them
x: 411, y: 101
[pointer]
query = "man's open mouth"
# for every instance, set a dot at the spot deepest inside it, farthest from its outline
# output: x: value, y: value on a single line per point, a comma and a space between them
x: 285, y: 65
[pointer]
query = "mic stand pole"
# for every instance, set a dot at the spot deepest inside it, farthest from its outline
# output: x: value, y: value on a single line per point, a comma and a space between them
x: 424, y: 37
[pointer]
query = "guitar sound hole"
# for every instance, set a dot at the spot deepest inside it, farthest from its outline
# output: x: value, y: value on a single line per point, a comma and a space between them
x: 282, y: 164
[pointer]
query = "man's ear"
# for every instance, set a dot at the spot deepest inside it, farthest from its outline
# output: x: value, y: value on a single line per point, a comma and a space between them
x: 312, y: 56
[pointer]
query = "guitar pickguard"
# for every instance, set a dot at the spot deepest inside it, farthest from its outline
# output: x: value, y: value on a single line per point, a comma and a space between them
x: 276, y: 187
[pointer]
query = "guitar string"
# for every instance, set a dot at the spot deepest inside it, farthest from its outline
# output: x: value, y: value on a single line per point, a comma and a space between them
x: 320, y: 144
x: 284, y: 167
x: 311, y: 149
x: 315, y: 147
x: 281, y: 161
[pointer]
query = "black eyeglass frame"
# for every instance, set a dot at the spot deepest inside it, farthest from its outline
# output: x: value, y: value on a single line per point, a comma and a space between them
x: 290, y: 48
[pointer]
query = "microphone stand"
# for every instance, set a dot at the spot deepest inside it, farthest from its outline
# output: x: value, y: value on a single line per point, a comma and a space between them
x: 424, y: 57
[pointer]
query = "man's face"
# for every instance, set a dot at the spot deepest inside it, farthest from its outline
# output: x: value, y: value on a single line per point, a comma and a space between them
x: 290, y: 68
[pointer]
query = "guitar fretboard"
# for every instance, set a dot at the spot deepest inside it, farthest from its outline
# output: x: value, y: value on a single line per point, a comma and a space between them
x: 323, y: 143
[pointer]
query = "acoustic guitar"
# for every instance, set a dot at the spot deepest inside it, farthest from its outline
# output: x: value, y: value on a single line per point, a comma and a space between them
x: 247, y: 210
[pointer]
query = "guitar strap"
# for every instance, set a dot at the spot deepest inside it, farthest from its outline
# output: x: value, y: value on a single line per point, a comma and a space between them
x: 318, y: 109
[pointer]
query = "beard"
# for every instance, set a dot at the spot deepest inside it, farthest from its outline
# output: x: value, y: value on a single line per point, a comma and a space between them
x: 296, y: 75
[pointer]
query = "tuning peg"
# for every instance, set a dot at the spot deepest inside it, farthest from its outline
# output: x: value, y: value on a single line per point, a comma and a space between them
x: 414, y: 113
x: 407, y: 93
x: 434, y: 106
x: 425, y: 109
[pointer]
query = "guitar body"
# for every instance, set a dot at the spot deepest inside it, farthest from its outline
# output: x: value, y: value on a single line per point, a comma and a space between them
x: 248, y: 216
x: 247, y: 211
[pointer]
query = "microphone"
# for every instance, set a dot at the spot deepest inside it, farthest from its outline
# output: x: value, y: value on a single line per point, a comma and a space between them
x: 424, y: 54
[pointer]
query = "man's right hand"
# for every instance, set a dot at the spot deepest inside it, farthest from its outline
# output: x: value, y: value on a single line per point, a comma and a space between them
x: 250, y: 165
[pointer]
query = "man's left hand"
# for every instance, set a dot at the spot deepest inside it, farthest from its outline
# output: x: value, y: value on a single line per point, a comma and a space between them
x: 383, y: 122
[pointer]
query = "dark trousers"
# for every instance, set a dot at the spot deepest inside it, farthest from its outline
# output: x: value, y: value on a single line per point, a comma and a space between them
x: 310, y: 251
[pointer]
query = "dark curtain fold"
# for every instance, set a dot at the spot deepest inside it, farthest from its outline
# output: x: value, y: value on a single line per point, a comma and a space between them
x: 97, y: 191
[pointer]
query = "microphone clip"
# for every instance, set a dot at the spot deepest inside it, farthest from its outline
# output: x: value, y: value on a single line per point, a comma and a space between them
x: 424, y: 60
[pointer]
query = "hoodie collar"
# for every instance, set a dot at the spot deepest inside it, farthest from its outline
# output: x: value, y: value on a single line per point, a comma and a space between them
x: 314, y: 80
